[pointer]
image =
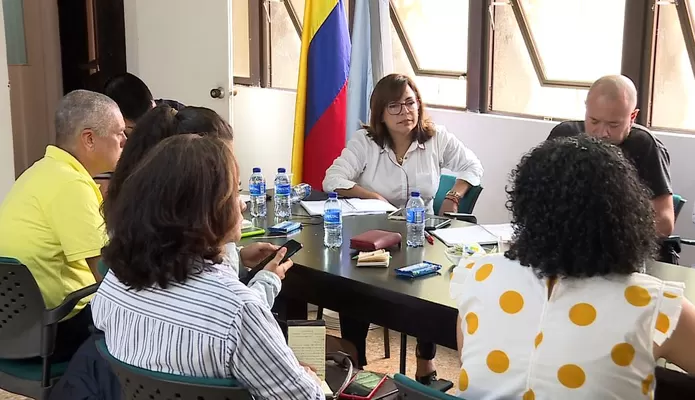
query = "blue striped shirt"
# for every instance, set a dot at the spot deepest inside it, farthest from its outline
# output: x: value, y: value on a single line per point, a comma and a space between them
x: 211, y: 326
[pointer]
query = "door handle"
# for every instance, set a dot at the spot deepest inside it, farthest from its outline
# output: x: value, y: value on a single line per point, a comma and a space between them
x: 217, y: 93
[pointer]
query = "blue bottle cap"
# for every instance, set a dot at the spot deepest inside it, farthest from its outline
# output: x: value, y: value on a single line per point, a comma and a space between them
x: 414, y: 194
x: 256, y: 170
x: 332, y: 195
x: 281, y: 170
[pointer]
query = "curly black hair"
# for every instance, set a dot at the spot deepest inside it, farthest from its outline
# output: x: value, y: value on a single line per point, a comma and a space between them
x: 579, y: 210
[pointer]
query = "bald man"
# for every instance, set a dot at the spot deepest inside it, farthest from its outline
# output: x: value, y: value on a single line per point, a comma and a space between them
x: 611, y: 109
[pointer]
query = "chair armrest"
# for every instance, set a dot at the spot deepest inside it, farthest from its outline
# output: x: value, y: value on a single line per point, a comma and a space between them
x: 688, y: 242
x: 54, y: 315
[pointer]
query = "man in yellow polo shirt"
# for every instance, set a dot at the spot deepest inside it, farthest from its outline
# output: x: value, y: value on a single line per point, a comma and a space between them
x: 51, y: 219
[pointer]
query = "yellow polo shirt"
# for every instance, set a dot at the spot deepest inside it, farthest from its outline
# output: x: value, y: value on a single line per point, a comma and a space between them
x: 51, y: 222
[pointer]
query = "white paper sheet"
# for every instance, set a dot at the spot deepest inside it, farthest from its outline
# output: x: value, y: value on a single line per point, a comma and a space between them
x: 308, y: 343
x: 482, y: 234
x: 351, y: 207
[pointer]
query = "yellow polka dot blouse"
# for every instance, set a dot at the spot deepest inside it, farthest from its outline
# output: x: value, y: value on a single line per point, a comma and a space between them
x: 592, y: 339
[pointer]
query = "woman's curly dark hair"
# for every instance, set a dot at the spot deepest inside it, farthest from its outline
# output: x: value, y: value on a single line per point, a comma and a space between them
x: 579, y: 210
x: 178, y: 207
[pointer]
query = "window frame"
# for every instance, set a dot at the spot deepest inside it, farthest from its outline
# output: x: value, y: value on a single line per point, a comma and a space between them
x: 638, y: 51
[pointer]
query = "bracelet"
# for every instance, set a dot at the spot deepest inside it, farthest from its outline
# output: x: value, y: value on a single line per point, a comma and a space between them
x: 455, y: 200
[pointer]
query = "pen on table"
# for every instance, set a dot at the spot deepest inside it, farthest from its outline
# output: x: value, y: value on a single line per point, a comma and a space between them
x: 429, y: 238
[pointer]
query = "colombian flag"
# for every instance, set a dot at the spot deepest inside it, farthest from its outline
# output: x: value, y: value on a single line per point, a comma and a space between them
x: 321, y: 109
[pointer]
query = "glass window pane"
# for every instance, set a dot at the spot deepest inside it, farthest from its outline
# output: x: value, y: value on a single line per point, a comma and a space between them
x: 285, y: 47
x: 437, y: 31
x: 516, y: 87
x: 434, y: 90
x: 299, y: 9
x: 13, y: 12
x: 674, y: 83
x: 241, y: 38
x: 571, y: 49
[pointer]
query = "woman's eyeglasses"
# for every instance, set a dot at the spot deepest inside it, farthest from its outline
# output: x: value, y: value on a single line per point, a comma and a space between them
x: 396, y: 108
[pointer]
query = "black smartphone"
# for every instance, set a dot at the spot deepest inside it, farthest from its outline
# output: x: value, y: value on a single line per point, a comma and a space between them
x: 433, y: 222
x: 292, y: 247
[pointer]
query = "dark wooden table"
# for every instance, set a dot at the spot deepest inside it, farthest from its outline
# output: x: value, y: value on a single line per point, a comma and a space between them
x: 421, y: 308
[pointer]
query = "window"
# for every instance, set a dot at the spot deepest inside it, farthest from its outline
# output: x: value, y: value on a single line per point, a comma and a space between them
x: 285, y: 42
x: 241, y: 37
x: 673, y: 96
x: 14, y: 32
x: 430, y: 44
x: 545, y: 55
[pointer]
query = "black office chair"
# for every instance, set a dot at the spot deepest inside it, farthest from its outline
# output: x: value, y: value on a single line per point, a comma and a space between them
x: 28, y: 332
x: 138, y: 383
x: 671, y: 247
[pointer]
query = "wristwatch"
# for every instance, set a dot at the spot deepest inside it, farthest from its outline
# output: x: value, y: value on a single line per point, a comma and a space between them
x: 453, y: 194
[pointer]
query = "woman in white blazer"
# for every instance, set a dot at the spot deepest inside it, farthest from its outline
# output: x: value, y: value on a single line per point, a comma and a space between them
x: 400, y: 151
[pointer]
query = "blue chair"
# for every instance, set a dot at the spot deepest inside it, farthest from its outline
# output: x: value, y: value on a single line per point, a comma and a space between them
x: 678, y: 203
x: 28, y: 331
x: 467, y: 203
x: 413, y: 390
x: 138, y: 383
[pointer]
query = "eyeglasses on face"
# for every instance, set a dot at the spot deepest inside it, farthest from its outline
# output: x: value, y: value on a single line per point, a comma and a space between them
x: 396, y: 107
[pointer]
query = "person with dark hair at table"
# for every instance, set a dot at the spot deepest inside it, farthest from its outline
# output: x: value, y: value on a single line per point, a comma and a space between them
x: 401, y: 151
x: 171, y: 301
x: 161, y: 123
x: 611, y: 110
x: 565, y: 313
x: 134, y: 98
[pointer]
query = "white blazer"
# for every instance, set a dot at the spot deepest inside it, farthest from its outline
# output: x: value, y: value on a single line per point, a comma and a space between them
x: 366, y: 164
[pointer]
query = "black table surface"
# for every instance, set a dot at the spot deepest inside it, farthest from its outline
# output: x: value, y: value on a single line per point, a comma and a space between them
x: 419, y: 307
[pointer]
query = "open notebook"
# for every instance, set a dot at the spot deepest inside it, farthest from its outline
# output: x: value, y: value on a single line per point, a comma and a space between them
x: 351, y: 207
x: 481, y: 234
x: 307, y: 339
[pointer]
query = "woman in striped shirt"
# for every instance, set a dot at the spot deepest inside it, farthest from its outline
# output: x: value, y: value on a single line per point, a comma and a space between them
x: 171, y: 301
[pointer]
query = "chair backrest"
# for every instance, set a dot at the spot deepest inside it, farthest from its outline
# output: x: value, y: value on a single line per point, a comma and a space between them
x: 138, y: 383
x: 467, y: 203
x: 678, y: 203
x: 21, y: 311
x: 413, y: 390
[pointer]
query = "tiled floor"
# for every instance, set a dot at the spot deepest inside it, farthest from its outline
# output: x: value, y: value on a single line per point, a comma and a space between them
x: 447, y: 363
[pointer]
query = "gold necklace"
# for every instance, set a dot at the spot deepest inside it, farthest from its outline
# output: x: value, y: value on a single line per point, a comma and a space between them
x: 399, y: 160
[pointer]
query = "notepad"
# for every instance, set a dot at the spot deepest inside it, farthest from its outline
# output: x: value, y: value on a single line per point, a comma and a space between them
x: 481, y: 234
x: 351, y: 207
x: 307, y: 339
x: 379, y: 258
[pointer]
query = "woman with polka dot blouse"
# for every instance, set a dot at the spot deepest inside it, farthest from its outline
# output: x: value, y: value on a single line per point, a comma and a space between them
x: 565, y: 313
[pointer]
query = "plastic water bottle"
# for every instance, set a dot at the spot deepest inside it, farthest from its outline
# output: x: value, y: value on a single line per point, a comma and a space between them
x: 300, y: 192
x: 415, y: 220
x: 283, y: 189
x: 257, y: 190
x: 332, y: 222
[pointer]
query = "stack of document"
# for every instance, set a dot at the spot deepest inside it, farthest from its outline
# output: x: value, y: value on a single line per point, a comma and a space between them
x: 481, y: 234
x: 379, y: 258
x: 351, y: 207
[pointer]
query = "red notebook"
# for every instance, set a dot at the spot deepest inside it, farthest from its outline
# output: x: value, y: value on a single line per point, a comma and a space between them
x: 375, y: 240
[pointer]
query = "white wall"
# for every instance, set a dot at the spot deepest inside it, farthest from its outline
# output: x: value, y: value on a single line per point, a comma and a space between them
x: 6, y: 147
